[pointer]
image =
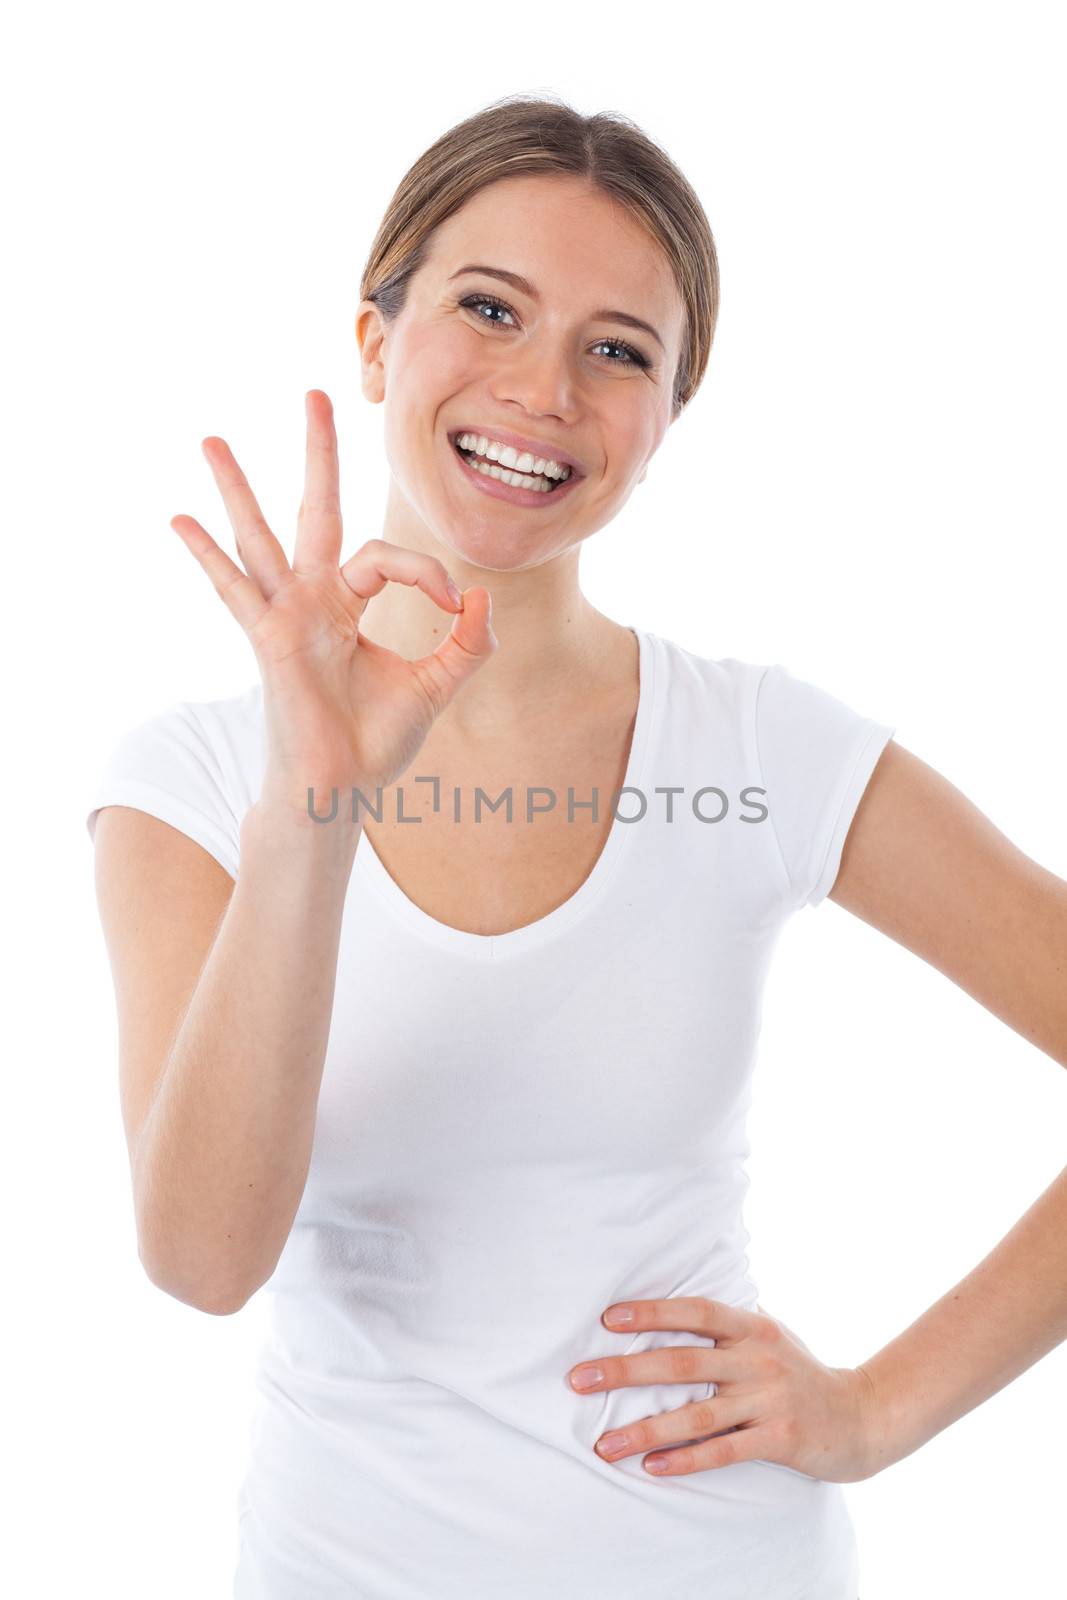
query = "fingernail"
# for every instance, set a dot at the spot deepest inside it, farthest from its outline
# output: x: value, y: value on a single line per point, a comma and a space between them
x: 457, y: 598
x: 656, y: 1463
x: 611, y: 1443
x: 585, y: 1377
x: 619, y: 1314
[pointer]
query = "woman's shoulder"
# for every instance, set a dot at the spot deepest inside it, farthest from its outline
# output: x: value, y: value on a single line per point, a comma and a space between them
x: 741, y: 680
x: 227, y: 721
x: 726, y: 682
x: 196, y: 764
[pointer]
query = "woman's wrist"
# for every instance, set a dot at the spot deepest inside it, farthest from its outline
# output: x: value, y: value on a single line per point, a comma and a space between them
x: 289, y: 819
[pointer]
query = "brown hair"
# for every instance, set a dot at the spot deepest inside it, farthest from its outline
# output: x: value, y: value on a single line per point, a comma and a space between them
x: 519, y: 135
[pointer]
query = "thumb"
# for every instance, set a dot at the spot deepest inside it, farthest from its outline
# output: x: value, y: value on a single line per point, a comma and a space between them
x: 468, y: 646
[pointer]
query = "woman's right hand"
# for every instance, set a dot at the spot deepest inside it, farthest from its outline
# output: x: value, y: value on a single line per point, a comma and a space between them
x: 341, y: 711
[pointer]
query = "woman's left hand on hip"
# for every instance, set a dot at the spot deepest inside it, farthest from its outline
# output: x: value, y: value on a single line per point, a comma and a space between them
x: 775, y: 1401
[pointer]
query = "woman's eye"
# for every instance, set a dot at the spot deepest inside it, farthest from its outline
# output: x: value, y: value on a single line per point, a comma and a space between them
x: 633, y: 357
x: 474, y: 300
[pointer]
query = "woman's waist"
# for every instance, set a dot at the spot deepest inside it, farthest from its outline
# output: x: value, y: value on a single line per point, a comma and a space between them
x: 485, y: 1320
x: 485, y: 1359
x: 510, y: 1476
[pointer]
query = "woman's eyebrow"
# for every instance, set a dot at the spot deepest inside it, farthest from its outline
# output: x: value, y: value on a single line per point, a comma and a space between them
x: 526, y: 287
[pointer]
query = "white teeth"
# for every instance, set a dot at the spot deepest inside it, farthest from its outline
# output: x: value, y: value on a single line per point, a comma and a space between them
x: 518, y: 480
x: 510, y: 459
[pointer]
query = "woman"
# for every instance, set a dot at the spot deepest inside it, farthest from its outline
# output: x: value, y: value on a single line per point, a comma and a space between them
x: 455, y: 1083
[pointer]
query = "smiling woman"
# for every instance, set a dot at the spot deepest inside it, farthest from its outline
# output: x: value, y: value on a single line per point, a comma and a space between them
x: 447, y: 1093
x: 599, y: 343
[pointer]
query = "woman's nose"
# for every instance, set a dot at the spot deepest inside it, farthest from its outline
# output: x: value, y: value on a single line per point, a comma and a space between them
x: 540, y: 379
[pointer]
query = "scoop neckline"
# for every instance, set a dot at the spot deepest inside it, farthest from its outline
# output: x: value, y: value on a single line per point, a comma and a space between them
x: 494, y: 946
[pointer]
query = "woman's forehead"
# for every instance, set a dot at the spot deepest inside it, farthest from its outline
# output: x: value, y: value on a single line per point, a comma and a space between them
x: 566, y: 256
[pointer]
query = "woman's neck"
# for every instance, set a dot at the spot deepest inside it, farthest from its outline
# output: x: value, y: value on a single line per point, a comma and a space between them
x: 556, y: 649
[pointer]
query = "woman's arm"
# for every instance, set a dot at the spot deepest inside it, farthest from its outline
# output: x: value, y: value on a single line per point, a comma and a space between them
x: 221, y: 1141
x: 1005, y: 1315
x: 925, y: 866
x: 922, y: 864
x: 221, y: 1146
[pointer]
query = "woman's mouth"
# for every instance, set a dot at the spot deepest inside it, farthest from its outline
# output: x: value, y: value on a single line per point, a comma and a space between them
x: 522, y: 489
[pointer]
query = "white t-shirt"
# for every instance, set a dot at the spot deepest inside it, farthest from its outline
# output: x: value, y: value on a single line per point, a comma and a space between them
x: 514, y: 1132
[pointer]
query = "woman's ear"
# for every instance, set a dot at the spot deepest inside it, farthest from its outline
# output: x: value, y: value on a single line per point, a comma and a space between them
x: 370, y: 336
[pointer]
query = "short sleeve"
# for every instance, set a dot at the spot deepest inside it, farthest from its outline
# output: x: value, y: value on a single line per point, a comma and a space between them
x: 817, y: 755
x: 168, y: 767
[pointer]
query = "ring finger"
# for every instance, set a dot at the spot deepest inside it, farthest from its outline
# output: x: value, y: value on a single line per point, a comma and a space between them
x: 262, y: 555
x: 698, y: 1420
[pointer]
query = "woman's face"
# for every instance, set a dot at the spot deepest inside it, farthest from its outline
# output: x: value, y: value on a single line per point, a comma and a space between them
x: 545, y: 364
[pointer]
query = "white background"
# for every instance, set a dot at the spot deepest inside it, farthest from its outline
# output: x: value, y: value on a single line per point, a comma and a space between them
x: 868, y: 487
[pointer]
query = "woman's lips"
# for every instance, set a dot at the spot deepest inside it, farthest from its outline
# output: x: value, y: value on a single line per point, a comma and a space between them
x: 505, y: 491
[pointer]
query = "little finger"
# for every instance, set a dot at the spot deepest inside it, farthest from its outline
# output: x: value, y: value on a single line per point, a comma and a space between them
x: 240, y: 594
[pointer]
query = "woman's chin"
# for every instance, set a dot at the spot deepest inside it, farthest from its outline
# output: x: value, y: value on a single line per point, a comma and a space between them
x: 495, y: 548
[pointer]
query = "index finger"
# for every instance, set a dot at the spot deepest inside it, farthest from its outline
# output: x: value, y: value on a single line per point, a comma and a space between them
x: 318, y: 528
